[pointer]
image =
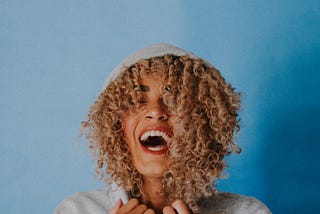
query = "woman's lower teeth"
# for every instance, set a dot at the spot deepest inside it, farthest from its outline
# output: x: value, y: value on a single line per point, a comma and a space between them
x: 156, y: 148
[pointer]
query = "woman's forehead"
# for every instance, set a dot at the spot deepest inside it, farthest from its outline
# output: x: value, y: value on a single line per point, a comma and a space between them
x: 153, y: 77
x: 153, y: 73
x: 151, y: 81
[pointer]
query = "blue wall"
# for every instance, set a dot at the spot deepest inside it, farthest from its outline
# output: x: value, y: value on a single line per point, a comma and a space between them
x: 54, y: 56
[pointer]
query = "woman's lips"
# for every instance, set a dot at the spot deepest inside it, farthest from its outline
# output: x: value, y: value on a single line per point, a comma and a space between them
x: 158, y: 150
x: 155, y: 140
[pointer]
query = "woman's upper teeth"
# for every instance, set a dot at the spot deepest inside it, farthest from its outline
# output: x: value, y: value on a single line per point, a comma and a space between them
x: 155, y: 133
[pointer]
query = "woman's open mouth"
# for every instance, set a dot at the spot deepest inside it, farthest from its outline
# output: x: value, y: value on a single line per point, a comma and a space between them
x: 155, y: 141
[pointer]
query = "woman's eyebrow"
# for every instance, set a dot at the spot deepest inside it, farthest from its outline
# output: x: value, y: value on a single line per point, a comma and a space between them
x: 144, y: 88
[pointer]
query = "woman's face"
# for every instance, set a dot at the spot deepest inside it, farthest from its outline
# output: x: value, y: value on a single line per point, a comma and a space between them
x: 148, y: 131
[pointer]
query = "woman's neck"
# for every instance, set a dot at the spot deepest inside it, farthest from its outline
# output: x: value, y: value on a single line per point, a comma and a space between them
x: 153, y: 194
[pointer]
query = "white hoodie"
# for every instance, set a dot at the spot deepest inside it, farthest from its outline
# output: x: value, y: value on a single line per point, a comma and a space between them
x: 101, y: 201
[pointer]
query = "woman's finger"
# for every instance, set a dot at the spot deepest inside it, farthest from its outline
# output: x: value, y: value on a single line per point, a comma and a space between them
x: 168, y: 210
x: 149, y: 211
x: 139, y: 209
x: 118, y: 205
x: 180, y: 207
x: 129, y: 206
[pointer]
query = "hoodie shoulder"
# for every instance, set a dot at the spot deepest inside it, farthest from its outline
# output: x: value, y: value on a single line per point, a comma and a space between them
x: 97, y: 201
x: 231, y: 203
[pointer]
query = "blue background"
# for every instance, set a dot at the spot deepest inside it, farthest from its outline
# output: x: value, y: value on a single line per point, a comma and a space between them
x: 55, y: 55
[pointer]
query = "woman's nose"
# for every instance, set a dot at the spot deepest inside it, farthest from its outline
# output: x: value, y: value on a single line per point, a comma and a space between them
x: 157, y: 112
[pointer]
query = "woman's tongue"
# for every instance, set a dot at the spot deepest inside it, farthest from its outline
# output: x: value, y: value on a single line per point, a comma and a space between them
x: 155, y: 143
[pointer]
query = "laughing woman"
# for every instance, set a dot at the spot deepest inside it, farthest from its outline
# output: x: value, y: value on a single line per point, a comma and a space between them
x: 160, y: 129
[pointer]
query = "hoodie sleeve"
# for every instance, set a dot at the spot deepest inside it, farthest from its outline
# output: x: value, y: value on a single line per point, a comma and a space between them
x: 230, y: 203
x: 99, y: 201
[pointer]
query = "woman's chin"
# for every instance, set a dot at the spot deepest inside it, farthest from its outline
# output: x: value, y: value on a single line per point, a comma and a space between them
x: 152, y: 171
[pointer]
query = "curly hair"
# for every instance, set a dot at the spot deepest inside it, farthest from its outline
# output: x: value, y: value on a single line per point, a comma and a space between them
x: 205, y: 110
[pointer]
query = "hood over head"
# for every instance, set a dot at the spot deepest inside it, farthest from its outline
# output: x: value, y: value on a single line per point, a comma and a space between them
x: 155, y: 50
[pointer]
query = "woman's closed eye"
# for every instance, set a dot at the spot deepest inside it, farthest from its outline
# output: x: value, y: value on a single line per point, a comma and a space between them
x: 142, y: 100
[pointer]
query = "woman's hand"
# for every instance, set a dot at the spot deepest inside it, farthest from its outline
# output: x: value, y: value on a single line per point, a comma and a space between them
x: 178, y: 206
x: 132, y: 207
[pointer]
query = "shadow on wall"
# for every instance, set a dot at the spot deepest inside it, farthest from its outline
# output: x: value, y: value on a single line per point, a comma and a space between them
x: 292, y: 141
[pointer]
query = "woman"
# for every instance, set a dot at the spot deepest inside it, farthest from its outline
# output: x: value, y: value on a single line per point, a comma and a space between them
x: 160, y: 128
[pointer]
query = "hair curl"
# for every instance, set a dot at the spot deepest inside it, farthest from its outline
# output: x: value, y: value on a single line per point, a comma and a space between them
x: 205, y: 110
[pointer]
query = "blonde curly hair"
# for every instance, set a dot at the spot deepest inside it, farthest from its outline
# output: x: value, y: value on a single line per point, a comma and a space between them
x: 205, y: 110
